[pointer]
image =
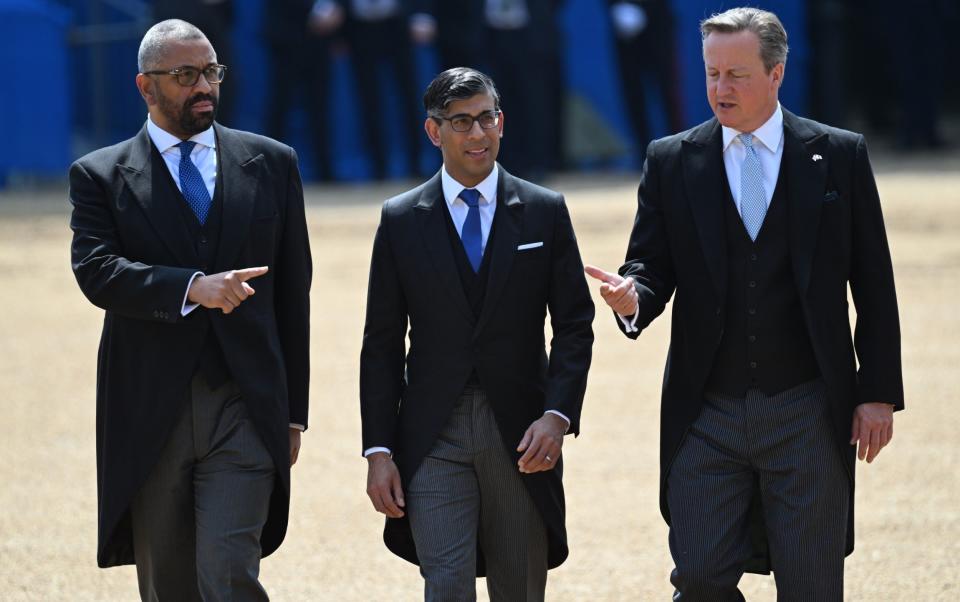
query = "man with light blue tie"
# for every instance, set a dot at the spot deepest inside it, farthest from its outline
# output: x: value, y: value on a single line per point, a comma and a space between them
x: 463, y: 431
x: 756, y: 222
x: 192, y: 238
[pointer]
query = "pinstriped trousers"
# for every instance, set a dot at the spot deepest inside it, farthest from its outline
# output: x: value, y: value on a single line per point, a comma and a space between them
x: 467, y: 490
x: 784, y: 446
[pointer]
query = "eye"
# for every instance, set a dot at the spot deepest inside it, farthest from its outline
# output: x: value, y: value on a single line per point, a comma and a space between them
x: 461, y: 123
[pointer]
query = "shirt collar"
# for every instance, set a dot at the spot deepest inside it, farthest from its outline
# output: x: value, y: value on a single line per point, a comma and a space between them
x: 769, y: 134
x: 487, y: 187
x: 164, y: 140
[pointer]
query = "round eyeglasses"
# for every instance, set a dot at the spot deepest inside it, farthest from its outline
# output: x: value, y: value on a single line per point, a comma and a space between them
x: 189, y: 76
x: 463, y: 122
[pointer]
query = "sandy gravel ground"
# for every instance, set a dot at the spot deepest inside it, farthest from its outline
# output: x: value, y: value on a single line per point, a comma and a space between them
x: 908, y: 513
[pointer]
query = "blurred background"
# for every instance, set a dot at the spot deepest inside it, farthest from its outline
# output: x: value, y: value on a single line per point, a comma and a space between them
x: 585, y: 83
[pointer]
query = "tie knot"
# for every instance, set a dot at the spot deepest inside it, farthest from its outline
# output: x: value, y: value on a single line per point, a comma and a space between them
x: 471, y: 197
x: 186, y: 147
x: 746, y: 139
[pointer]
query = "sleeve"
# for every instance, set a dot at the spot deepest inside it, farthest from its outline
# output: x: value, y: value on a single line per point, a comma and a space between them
x: 382, y: 356
x: 877, y: 331
x: 294, y: 273
x: 106, y: 276
x: 648, y: 259
x: 571, y: 318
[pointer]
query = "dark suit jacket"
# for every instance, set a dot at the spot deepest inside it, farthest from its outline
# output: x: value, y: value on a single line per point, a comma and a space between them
x: 406, y: 397
x: 132, y: 256
x: 836, y: 237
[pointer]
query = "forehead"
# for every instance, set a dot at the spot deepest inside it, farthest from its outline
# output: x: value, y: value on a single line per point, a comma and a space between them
x: 473, y: 105
x: 728, y: 50
x: 196, y: 53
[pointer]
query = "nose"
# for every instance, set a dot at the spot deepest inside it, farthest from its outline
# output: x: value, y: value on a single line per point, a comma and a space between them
x: 202, y: 84
x: 475, y: 130
x: 724, y: 84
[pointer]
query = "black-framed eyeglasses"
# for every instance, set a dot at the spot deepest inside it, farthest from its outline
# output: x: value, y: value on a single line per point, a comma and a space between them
x: 189, y: 76
x: 462, y: 122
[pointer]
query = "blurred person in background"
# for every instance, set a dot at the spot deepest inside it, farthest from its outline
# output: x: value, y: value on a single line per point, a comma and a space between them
x: 299, y: 35
x: 192, y: 238
x: 644, y: 35
x: 525, y: 48
x: 381, y: 33
x: 463, y: 434
x: 458, y: 30
x: 756, y: 222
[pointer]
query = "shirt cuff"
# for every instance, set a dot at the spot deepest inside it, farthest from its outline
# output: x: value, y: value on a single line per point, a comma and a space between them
x: 299, y: 427
x: 373, y: 450
x: 185, y: 307
x: 630, y: 322
x: 560, y: 414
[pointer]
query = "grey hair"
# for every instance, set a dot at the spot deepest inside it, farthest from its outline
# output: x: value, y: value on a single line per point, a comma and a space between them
x: 765, y: 24
x: 152, y: 45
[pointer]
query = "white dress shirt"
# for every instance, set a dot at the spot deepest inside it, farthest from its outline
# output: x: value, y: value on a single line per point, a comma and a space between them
x: 458, y: 212
x: 770, y: 151
x: 204, y: 156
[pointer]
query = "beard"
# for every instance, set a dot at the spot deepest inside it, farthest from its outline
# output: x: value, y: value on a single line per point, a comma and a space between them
x: 188, y: 122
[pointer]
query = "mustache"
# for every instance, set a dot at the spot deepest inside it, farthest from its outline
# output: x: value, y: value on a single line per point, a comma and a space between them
x: 201, y: 98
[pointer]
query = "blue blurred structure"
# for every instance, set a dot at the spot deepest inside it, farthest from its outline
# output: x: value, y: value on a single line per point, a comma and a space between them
x: 35, y: 99
x: 69, y: 85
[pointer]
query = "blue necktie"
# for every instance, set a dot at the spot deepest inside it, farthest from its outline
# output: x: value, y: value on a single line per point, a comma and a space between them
x: 471, y: 234
x: 191, y: 183
x: 753, y: 199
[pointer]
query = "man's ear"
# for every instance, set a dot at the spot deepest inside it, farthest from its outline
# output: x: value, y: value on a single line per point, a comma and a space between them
x: 145, y: 86
x: 432, y: 128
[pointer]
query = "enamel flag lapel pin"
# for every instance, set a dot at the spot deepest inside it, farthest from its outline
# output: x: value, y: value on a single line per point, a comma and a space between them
x: 817, y: 158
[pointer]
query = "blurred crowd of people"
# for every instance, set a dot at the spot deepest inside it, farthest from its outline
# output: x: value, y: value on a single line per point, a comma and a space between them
x: 519, y: 43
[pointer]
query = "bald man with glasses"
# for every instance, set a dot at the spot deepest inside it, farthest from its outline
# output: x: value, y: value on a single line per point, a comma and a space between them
x: 192, y: 238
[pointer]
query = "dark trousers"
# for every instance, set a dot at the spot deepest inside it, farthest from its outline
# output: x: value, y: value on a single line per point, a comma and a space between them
x: 783, y: 447
x: 197, y: 519
x: 468, y: 490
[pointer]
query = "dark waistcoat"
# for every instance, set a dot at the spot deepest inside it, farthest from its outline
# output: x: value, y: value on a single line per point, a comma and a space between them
x: 765, y: 344
x: 206, y: 240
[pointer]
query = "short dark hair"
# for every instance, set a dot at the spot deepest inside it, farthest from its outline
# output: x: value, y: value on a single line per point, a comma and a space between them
x: 458, y: 83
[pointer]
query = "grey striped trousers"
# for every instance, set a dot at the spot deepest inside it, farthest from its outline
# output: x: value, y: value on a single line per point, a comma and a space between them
x: 467, y: 490
x: 784, y: 446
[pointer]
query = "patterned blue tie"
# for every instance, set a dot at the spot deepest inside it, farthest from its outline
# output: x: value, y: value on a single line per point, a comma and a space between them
x: 191, y: 183
x: 471, y: 234
x: 753, y: 199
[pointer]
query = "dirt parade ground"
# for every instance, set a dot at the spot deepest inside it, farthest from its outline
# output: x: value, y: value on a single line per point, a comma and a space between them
x: 908, y: 501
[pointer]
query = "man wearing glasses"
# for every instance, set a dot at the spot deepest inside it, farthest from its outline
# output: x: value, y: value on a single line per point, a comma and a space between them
x: 192, y: 238
x: 463, y: 432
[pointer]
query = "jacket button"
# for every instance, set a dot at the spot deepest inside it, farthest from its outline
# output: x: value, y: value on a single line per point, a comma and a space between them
x: 717, y: 311
x: 753, y: 256
x: 752, y: 284
x: 156, y: 313
x: 752, y: 311
x: 753, y: 365
x: 752, y: 338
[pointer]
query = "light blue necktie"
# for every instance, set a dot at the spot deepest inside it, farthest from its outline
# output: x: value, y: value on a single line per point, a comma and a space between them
x: 191, y: 183
x: 471, y: 234
x: 753, y: 199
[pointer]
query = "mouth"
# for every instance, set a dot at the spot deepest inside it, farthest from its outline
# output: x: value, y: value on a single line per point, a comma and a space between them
x: 203, y: 105
x: 478, y: 153
x: 726, y: 105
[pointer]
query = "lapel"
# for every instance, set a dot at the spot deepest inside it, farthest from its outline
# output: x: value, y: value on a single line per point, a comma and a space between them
x: 806, y: 179
x: 509, y: 218
x: 143, y: 172
x: 433, y: 230
x: 238, y: 172
x: 703, y: 173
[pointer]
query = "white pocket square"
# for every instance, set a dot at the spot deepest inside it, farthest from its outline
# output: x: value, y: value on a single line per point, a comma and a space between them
x: 530, y: 245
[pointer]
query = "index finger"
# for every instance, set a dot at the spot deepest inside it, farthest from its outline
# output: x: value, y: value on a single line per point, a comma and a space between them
x: 248, y: 273
x: 602, y: 275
